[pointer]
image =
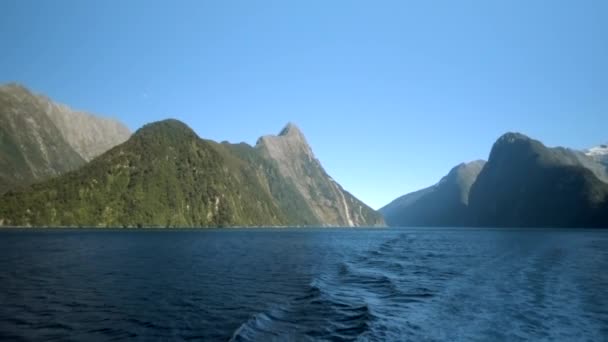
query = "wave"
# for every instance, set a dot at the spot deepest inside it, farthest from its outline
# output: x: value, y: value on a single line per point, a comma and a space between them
x: 316, y: 314
x: 346, y: 301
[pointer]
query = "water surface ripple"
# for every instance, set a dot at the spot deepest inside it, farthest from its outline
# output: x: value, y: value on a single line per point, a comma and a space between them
x: 304, y: 285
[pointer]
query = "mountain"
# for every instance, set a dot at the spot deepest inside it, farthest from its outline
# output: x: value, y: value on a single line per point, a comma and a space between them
x: 40, y: 139
x: 569, y: 156
x: 526, y: 184
x: 165, y: 175
x: 443, y: 204
x: 87, y: 134
x: 599, y: 154
x: 523, y: 184
x: 328, y: 201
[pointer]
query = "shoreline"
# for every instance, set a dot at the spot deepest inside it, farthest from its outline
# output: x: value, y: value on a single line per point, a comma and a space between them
x: 188, y: 228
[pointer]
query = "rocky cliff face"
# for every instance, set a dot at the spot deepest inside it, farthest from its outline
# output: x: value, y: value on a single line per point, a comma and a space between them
x: 89, y: 135
x: 31, y: 146
x: 40, y: 139
x: 328, y: 201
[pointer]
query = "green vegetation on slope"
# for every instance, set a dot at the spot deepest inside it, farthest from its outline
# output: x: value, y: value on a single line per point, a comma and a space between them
x: 163, y: 176
x: 288, y: 199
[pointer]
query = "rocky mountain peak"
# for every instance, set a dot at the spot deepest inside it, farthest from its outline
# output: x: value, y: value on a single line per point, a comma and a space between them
x: 292, y: 133
x: 463, y: 170
x: 290, y: 141
x: 599, y: 154
x: 13, y: 85
x: 473, y: 164
x: 290, y: 129
x: 512, y: 137
x: 297, y: 163
x: 463, y: 176
x: 600, y: 150
x: 518, y: 146
x: 16, y: 91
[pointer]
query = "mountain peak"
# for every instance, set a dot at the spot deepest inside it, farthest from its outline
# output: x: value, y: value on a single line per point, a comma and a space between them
x: 290, y: 129
x: 511, y: 137
x: 329, y: 202
x: 13, y: 85
x: 168, y: 126
x: 599, y: 154
x: 516, y: 144
x: 597, y: 150
x: 15, y: 89
x: 465, y: 165
x: 465, y: 174
x: 290, y: 134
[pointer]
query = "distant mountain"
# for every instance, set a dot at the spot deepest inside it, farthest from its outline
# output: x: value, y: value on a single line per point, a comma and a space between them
x: 40, y: 139
x: 443, y: 204
x: 526, y: 184
x: 165, y: 175
x: 88, y: 135
x: 569, y: 156
x: 599, y: 154
x: 523, y: 184
x: 327, y: 200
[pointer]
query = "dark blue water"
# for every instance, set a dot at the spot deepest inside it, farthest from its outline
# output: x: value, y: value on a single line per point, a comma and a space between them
x: 307, y: 284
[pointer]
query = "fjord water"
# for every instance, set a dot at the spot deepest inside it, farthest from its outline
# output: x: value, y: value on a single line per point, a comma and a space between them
x: 304, y: 284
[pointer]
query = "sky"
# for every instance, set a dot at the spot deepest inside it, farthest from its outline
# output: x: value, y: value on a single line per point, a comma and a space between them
x: 389, y: 94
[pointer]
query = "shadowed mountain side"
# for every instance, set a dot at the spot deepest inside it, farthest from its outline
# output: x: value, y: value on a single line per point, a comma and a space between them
x: 443, y: 204
x: 525, y: 184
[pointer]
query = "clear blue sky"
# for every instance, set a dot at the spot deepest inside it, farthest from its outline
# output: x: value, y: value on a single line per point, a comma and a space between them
x: 390, y: 94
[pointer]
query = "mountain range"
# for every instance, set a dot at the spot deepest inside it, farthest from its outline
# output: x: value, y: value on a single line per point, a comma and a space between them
x: 61, y: 167
x: 163, y: 175
x: 523, y: 184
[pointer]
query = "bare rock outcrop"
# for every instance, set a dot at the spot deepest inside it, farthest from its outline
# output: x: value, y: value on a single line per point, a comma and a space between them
x: 329, y: 202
